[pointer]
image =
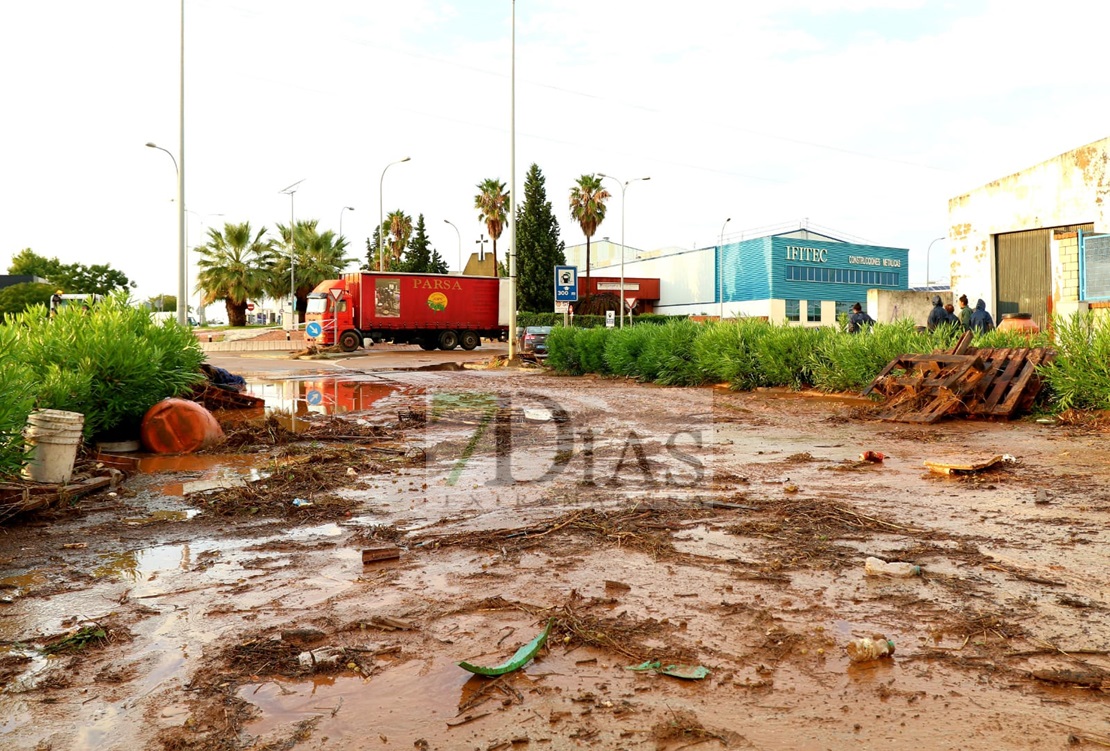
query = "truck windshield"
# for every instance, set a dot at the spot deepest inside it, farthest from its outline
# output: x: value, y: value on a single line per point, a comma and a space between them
x: 317, y: 304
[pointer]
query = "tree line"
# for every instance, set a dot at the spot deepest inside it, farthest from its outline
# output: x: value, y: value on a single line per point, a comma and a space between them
x: 238, y: 263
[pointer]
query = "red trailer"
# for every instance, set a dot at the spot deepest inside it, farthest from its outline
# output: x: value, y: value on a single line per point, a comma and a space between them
x: 432, y: 310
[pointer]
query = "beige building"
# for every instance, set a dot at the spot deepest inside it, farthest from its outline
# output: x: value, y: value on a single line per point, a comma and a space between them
x: 1036, y: 241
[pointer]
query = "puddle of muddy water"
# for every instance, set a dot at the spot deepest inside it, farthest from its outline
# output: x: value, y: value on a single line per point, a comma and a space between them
x: 404, y: 701
x: 321, y: 395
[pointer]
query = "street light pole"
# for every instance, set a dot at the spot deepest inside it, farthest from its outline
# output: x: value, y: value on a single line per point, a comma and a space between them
x: 291, y: 191
x: 721, y: 270
x: 180, y: 225
x: 928, y: 255
x: 381, y: 214
x: 446, y: 221
x: 624, y: 186
x: 345, y: 208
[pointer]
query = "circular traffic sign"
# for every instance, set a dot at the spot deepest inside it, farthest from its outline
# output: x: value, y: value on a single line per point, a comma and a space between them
x: 250, y: 306
x: 314, y: 397
x: 313, y: 329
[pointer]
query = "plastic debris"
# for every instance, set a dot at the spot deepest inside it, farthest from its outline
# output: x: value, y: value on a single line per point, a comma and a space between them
x: 521, y: 658
x: 301, y: 502
x: 867, y: 649
x: 875, y: 457
x: 686, y: 672
x: 878, y: 567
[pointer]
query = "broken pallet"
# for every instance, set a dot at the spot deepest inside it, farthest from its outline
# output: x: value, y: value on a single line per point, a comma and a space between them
x: 965, y: 380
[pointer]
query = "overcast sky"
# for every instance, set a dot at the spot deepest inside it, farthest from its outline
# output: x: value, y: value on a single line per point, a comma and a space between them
x: 863, y: 116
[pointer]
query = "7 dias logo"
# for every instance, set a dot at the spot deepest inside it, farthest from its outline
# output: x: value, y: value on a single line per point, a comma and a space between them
x: 498, y: 440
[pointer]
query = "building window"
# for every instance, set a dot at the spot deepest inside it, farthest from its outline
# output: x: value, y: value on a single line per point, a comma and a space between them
x: 793, y: 310
x: 844, y: 308
x: 813, y: 311
x: 842, y: 276
x: 1095, y: 265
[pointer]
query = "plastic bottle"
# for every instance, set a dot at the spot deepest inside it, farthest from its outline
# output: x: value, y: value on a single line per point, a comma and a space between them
x: 878, y: 567
x: 865, y: 649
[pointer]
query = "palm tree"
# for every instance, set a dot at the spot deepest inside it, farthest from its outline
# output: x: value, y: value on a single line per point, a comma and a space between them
x: 316, y: 257
x: 587, y: 207
x: 236, y: 266
x: 398, y: 226
x: 492, y: 203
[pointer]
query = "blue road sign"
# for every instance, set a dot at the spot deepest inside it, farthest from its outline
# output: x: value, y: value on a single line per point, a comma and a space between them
x: 313, y: 329
x: 313, y: 397
x: 566, y: 284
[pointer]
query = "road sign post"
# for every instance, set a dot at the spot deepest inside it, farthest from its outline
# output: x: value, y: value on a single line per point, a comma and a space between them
x: 566, y: 289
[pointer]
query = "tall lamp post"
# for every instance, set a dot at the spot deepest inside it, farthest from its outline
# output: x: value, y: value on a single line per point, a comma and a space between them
x: 721, y: 270
x: 381, y: 214
x: 928, y: 255
x: 447, y: 221
x: 624, y: 186
x: 181, y: 285
x: 291, y: 191
x: 200, y: 298
x: 345, y: 208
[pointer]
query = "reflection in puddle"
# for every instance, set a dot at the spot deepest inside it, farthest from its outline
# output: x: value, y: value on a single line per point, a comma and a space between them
x: 162, y: 516
x: 138, y: 565
x: 324, y: 396
x: 21, y: 584
x: 323, y: 530
x: 399, y: 703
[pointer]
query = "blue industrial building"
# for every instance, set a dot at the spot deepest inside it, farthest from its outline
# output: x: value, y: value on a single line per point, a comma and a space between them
x: 796, y: 274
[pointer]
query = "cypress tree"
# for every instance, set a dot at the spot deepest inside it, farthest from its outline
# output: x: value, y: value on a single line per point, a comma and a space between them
x: 538, y: 247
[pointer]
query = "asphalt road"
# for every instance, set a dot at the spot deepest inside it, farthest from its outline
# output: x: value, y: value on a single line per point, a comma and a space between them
x: 381, y: 357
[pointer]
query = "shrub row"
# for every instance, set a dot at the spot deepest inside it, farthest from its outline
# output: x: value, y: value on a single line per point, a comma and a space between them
x: 750, y: 353
x: 111, y: 363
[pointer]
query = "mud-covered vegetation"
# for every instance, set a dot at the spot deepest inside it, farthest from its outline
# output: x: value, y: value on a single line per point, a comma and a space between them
x: 749, y: 353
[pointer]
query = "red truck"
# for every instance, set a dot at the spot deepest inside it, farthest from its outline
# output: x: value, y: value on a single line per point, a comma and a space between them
x: 432, y: 310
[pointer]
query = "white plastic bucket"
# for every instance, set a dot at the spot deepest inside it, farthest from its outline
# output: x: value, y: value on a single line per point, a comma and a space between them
x: 52, y: 437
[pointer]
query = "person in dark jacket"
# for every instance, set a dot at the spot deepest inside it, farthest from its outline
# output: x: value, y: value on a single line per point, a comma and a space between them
x: 859, y: 319
x: 981, y: 320
x: 938, y: 315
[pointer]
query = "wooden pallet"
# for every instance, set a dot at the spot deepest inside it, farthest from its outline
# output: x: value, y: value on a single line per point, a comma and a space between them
x: 213, y: 397
x: 965, y: 380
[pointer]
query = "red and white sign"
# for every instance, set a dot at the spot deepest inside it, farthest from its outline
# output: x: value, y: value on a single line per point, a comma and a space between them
x: 250, y: 306
x: 336, y: 292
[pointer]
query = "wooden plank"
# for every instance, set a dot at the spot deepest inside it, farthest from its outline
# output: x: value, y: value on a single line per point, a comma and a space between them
x: 1019, y: 384
x: 948, y: 468
x: 883, y: 374
x: 964, y: 344
x: 1002, y: 383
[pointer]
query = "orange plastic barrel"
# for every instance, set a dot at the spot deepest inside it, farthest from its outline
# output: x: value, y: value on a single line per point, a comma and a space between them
x: 1020, y: 322
x: 178, y: 426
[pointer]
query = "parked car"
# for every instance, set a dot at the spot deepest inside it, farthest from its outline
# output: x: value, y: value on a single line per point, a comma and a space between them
x: 532, y: 341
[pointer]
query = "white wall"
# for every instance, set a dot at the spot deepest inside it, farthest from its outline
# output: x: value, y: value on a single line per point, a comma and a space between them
x: 1072, y: 188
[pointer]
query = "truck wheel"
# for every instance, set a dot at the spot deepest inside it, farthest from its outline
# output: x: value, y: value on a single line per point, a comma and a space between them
x: 427, y: 344
x: 448, y: 340
x: 349, y: 341
x: 469, y: 340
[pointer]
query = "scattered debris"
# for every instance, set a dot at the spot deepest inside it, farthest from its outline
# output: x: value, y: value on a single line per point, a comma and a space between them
x: 521, y: 658
x: 966, y: 467
x: 875, y: 457
x: 383, y: 553
x: 964, y: 380
x: 686, y: 672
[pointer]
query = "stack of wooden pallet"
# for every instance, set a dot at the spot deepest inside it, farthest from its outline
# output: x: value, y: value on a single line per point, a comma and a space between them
x: 963, y: 380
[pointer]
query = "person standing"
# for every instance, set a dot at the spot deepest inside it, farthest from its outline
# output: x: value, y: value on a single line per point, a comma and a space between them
x: 965, y: 312
x: 859, y: 319
x: 938, y: 315
x: 981, y: 321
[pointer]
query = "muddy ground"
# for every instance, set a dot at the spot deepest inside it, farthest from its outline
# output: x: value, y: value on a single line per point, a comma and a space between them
x: 200, y: 608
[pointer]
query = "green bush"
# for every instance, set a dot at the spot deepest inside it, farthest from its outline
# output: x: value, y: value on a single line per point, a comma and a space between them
x: 17, y: 398
x: 111, y: 363
x: 726, y: 352
x: 587, y: 322
x: 670, y: 350
x: 562, y: 350
x: 1079, y: 377
x: 624, y: 349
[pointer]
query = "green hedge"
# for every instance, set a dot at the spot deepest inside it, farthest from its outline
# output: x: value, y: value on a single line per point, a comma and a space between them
x: 749, y: 353
x: 111, y: 364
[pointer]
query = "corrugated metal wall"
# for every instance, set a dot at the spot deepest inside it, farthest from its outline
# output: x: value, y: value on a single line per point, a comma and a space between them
x: 1023, y: 272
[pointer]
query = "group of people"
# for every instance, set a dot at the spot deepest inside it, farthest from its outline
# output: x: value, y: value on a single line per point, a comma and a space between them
x: 978, y: 320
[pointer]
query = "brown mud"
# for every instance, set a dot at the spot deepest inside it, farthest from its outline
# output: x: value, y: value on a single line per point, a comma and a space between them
x: 200, y: 607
